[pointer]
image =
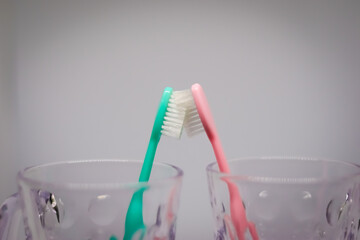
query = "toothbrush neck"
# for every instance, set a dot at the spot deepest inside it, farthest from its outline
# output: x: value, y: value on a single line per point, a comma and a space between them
x: 219, y: 153
x: 149, y: 158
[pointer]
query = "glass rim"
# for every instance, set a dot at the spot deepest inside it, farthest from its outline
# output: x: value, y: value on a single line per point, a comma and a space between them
x: 285, y: 180
x: 97, y: 186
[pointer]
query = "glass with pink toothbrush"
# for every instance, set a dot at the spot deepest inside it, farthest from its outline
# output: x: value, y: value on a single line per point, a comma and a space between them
x: 289, y: 198
x: 277, y: 198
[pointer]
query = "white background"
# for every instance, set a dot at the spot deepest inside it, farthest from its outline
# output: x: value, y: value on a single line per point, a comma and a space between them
x: 82, y: 79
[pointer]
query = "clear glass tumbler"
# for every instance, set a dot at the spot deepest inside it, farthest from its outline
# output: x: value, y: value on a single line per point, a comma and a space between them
x: 88, y: 200
x: 289, y: 198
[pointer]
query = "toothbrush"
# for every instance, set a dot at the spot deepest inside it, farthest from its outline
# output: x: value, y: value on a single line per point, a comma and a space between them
x: 198, y: 119
x: 169, y: 121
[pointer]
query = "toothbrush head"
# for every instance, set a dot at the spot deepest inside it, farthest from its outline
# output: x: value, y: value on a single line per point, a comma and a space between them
x: 173, y: 122
x: 192, y: 121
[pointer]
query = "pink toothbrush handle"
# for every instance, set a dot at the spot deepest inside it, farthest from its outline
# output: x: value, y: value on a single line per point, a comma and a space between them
x: 238, y: 214
x: 207, y: 120
x: 219, y: 154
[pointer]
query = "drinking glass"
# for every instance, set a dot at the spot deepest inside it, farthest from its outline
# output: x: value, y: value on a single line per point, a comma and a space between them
x: 288, y: 198
x: 88, y: 200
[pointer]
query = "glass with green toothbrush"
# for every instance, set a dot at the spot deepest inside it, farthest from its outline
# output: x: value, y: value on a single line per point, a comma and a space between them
x: 88, y: 200
x: 100, y: 199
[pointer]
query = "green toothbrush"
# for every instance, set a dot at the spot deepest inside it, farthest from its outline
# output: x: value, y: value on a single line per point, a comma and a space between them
x: 169, y: 121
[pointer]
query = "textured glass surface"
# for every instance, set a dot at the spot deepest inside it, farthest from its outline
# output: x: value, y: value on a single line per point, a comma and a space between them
x: 89, y: 200
x: 298, y: 199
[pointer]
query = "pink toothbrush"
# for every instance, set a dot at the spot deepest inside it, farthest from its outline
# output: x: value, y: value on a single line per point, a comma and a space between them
x: 238, y: 214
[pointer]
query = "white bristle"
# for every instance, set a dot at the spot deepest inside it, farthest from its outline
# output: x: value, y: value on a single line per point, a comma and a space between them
x: 174, y: 116
x: 192, y: 122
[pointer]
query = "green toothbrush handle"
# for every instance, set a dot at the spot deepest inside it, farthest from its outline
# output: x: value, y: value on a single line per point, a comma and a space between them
x: 134, y: 220
x: 148, y: 161
x: 155, y: 136
x: 134, y: 217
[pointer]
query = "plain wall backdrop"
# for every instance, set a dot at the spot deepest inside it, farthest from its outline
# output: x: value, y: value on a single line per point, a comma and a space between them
x: 8, y: 162
x: 281, y: 77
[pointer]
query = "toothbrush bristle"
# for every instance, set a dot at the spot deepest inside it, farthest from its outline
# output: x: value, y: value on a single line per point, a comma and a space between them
x: 174, y: 116
x: 192, y: 122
